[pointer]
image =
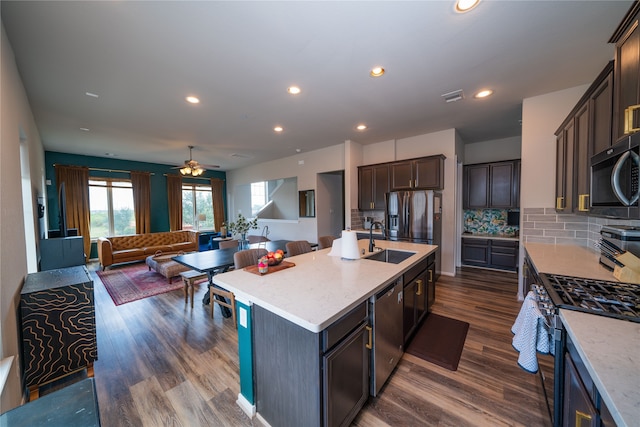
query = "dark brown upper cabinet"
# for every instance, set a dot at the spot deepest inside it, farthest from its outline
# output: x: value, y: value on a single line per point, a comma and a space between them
x: 425, y: 173
x: 626, y: 104
x: 492, y: 185
x: 373, y: 183
x: 585, y: 132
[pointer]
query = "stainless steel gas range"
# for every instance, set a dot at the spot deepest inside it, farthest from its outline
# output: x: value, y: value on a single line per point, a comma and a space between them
x: 599, y: 297
x: 605, y: 298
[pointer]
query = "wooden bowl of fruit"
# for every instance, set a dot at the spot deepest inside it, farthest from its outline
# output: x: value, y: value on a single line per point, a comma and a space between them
x: 273, y: 258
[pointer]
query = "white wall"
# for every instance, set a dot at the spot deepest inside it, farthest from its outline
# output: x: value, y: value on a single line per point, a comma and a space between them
x: 303, y: 166
x: 17, y: 122
x: 492, y: 151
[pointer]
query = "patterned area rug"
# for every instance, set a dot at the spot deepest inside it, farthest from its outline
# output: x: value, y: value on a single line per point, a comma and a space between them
x: 440, y: 340
x: 131, y: 283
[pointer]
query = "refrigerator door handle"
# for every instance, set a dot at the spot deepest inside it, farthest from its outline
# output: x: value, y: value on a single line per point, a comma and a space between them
x: 405, y: 213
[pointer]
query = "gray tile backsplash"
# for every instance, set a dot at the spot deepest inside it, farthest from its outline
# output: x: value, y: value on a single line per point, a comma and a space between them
x: 545, y: 225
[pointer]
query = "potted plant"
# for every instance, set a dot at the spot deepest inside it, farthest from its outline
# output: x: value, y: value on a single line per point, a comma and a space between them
x: 241, y: 226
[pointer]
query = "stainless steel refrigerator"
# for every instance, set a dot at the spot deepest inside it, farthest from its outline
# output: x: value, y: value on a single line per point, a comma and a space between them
x: 415, y: 216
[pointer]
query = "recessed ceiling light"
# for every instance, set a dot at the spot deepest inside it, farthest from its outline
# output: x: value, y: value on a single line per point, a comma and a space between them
x: 376, y: 72
x: 192, y: 99
x: 84, y: 129
x: 463, y: 6
x: 278, y: 128
x: 294, y: 90
x: 298, y: 150
x: 361, y: 127
x: 483, y: 93
x: 91, y: 94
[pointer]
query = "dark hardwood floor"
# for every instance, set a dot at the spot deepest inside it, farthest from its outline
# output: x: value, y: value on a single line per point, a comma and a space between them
x: 161, y: 363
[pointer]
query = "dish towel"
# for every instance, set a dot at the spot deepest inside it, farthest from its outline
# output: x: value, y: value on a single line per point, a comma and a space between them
x: 531, y: 334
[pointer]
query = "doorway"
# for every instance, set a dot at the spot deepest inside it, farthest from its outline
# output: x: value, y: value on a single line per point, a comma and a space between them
x: 330, y: 203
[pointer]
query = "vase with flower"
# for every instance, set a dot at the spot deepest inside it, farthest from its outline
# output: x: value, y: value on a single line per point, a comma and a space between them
x: 240, y: 227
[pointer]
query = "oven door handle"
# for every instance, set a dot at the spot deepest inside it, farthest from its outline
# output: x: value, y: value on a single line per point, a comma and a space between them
x: 615, y: 179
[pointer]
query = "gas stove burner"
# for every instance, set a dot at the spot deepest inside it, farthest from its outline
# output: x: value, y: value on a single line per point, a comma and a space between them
x: 613, y: 299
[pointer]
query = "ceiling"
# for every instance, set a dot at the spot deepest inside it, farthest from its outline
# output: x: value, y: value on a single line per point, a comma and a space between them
x: 143, y: 58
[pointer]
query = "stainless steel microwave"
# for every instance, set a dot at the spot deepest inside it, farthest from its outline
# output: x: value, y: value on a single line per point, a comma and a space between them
x: 614, y: 180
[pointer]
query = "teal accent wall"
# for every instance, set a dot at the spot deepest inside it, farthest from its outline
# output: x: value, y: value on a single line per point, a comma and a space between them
x: 245, y: 353
x: 159, y: 200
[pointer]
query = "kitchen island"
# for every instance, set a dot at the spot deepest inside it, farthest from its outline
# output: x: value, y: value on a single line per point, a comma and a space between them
x: 309, y: 302
x: 608, y: 347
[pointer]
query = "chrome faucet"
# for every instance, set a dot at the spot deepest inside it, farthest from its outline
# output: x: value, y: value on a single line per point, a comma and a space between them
x: 371, y: 242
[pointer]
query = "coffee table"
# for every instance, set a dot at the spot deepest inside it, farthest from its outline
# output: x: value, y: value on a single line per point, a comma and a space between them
x: 163, y: 264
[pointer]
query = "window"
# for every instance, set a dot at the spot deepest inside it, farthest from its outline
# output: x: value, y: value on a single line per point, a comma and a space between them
x: 197, y: 207
x: 111, y: 206
x: 258, y: 196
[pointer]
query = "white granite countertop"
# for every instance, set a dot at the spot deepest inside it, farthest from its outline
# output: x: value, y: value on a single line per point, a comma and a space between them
x: 568, y: 260
x: 610, y: 350
x: 320, y: 288
x: 490, y: 236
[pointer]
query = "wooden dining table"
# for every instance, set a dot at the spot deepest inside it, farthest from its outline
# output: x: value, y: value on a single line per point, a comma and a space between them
x: 217, y: 261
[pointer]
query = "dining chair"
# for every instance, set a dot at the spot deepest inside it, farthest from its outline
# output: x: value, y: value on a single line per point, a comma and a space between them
x: 297, y: 247
x: 248, y: 257
x: 325, y: 242
x: 225, y: 244
x: 254, y: 238
x: 225, y: 299
x: 241, y: 259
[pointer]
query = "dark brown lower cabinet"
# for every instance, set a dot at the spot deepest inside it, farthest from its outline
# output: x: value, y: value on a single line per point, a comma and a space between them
x: 583, y: 406
x: 578, y: 409
x: 475, y: 252
x: 490, y: 253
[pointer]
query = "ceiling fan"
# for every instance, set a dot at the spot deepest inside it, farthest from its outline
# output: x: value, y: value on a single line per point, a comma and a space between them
x: 192, y: 167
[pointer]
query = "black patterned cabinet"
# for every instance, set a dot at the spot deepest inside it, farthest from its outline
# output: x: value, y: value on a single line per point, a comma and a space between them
x: 58, y: 325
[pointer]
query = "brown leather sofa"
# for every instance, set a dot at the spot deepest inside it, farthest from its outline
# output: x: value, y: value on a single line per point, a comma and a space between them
x: 136, y: 247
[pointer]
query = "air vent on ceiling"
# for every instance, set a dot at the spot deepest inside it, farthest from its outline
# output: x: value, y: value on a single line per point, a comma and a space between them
x: 240, y: 156
x: 456, y: 95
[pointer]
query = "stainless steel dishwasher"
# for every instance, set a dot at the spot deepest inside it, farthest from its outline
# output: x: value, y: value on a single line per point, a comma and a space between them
x: 386, y: 318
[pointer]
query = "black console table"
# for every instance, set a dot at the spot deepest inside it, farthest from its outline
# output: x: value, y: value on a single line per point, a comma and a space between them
x: 61, y: 252
x: 58, y: 326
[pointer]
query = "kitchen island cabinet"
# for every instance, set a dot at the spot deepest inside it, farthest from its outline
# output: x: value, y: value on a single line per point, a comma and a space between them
x: 308, y: 303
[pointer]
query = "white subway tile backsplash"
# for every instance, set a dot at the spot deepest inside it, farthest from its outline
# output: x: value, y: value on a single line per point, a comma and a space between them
x: 545, y: 225
x: 560, y: 233
x: 549, y: 225
x: 582, y: 226
x: 532, y: 211
x: 541, y: 218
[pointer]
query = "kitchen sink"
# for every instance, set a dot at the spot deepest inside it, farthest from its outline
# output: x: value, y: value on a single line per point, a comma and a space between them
x: 390, y: 255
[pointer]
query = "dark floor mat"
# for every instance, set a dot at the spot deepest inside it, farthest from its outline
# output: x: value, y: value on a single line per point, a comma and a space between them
x: 440, y: 340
